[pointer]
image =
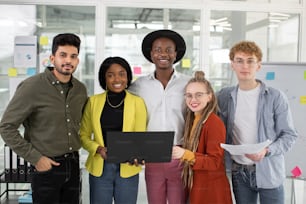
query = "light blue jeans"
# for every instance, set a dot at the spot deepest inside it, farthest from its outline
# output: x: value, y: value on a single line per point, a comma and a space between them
x: 111, y: 186
x: 245, y: 187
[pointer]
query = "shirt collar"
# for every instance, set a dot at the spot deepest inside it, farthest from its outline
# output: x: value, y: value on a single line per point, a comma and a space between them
x: 52, y: 79
x: 173, y: 76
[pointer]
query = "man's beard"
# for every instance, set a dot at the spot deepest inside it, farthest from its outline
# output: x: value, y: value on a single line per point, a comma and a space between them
x: 63, y: 71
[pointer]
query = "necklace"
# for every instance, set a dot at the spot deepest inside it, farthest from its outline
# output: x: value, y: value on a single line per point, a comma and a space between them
x: 111, y: 105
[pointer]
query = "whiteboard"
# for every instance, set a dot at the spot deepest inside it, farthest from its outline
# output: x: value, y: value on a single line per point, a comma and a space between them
x: 291, y: 79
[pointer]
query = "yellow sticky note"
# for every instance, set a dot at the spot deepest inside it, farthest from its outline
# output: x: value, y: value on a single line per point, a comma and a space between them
x: 186, y: 63
x: 303, y: 100
x: 43, y: 40
x: 304, y: 75
x: 12, y: 72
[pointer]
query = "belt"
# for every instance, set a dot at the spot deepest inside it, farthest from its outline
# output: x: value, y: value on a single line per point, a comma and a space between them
x: 244, y: 166
x: 70, y: 155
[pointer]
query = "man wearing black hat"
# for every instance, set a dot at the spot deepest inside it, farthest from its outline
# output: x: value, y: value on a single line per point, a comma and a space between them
x: 163, y: 92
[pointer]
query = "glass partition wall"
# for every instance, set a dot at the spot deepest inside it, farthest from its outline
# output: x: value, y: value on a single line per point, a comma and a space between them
x: 276, y: 33
x: 43, y: 22
x: 126, y: 27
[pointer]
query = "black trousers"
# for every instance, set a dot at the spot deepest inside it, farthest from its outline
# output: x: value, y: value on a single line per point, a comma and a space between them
x: 59, y: 185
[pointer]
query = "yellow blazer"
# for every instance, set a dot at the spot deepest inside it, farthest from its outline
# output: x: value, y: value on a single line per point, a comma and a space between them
x: 134, y: 119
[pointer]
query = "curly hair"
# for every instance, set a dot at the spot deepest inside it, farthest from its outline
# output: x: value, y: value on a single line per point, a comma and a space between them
x: 248, y: 47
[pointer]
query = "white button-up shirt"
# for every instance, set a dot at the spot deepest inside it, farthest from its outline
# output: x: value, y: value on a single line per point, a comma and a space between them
x: 165, y: 107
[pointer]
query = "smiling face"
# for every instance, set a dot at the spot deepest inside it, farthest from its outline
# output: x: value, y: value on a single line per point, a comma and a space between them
x: 197, y: 97
x: 116, y: 78
x: 163, y: 53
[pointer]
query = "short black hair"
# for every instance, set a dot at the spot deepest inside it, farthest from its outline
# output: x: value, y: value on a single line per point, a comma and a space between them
x: 65, y: 39
x: 106, y: 65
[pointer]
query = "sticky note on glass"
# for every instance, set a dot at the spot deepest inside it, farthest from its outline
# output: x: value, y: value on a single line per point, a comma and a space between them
x: 12, y: 72
x: 31, y: 71
x: 304, y: 75
x: 270, y: 75
x: 137, y: 70
x: 296, y: 171
x: 186, y: 63
x: 43, y: 40
x: 303, y: 100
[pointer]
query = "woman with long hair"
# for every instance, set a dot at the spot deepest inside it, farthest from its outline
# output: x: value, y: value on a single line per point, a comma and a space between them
x: 204, y: 170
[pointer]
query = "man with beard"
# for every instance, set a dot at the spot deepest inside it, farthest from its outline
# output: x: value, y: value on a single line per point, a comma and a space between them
x: 49, y: 105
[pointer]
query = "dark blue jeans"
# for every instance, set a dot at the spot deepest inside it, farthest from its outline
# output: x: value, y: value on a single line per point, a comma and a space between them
x: 61, y: 184
x: 111, y: 186
x: 245, y: 187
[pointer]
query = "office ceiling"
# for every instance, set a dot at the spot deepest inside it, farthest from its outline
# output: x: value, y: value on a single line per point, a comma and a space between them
x: 76, y: 17
x: 82, y: 18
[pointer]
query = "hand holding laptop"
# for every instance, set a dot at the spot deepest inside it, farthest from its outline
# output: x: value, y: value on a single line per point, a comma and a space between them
x: 102, y: 151
x: 136, y: 161
x: 177, y: 152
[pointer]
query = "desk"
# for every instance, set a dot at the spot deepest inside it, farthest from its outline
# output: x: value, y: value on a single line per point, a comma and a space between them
x: 297, y: 190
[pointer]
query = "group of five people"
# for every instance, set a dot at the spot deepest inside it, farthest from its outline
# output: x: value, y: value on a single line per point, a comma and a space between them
x: 59, y: 119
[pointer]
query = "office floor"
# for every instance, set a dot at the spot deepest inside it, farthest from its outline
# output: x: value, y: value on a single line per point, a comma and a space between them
x: 13, y: 196
x: 300, y: 191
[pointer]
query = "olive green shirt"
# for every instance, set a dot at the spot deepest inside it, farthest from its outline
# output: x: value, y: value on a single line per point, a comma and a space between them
x: 51, y: 119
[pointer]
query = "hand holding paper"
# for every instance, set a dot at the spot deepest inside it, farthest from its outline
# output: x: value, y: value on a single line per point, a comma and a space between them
x: 257, y: 156
x: 245, y: 148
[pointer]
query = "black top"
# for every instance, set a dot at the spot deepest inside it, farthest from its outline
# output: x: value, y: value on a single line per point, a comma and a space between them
x: 112, y: 118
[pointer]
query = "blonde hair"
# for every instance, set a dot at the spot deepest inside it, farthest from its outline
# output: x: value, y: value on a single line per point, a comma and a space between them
x: 191, y: 140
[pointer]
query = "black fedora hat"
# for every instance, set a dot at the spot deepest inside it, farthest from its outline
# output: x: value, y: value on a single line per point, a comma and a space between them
x: 174, y: 36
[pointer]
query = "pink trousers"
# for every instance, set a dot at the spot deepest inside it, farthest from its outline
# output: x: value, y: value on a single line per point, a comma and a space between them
x: 164, y: 183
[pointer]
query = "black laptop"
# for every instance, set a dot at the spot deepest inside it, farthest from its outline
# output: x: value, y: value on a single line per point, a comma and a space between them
x: 148, y: 146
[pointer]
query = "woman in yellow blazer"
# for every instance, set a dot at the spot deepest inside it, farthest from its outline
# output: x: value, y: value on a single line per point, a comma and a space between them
x: 113, y: 110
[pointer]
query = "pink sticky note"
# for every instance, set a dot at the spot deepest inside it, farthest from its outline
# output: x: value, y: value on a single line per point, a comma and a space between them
x: 137, y: 70
x: 296, y: 171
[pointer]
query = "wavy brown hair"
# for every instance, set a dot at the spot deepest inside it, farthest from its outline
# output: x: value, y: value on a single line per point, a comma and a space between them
x: 191, y: 138
x: 248, y: 47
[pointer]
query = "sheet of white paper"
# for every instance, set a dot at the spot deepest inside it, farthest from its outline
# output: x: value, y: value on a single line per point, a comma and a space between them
x: 246, y: 148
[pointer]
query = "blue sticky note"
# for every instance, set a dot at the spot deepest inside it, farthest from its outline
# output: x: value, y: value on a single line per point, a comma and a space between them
x: 31, y: 71
x: 270, y: 76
